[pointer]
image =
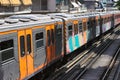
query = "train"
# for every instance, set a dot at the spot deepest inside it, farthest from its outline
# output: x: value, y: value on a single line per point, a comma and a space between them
x: 29, y: 43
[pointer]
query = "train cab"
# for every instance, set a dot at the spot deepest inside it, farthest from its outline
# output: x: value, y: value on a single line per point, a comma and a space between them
x: 28, y: 44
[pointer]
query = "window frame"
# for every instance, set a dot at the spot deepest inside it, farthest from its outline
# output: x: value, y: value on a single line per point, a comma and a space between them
x: 41, y: 39
x: 75, y: 29
x: 48, y: 37
x: 22, y: 46
x: 29, y: 45
x: 80, y: 29
x: 7, y: 49
x: 70, y: 30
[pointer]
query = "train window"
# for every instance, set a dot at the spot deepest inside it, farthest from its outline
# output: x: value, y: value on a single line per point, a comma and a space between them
x: 70, y: 30
x: 88, y: 24
x: 80, y: 27
x: 76, y: 29
x: 98, y: 21
x: 22, y: 45
x: 52, y: 35
x: 29, y: 43
x: 59, y: 30
x: 94, y: 22
x: 84, y: 26
x: 48, y: 37
x: 7, y: 50
x: 39, y: 40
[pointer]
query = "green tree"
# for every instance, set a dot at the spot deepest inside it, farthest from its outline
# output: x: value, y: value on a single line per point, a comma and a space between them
x: 118, y: 4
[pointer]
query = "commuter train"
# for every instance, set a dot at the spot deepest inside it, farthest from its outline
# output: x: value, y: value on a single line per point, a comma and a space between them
x: 31, y: 42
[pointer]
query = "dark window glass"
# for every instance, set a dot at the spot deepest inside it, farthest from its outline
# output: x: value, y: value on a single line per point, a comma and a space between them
x: 59, y: 30
x: 39, y: 40
x: 7, y: 55
x: 48, y: 37
x: 70, y: 27
x: 7, y: 50
x: 69, y: 30
x: 29, y: 43
x: 22, y: 45
x: 6, y: 44
x: 80, y: 27
x: 93, y: 23
x: 39, y: 44
x: 52, y: 35
x: 76, y: 29
x: 89, y: 24
x: 39, y: 36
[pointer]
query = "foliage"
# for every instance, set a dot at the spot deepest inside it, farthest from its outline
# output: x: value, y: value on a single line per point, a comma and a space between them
x: 118, y: 4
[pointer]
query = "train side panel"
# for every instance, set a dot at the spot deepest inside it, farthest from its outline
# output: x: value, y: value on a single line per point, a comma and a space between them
x: 9, y: 61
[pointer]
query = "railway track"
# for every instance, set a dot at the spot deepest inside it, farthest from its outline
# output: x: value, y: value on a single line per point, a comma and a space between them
x: 102, y: 63
x: 78, y: 66
x: 113, y: 67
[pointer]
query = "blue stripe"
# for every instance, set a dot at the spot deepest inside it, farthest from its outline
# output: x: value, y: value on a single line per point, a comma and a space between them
x: 70, y: 44
x: 77, y: 44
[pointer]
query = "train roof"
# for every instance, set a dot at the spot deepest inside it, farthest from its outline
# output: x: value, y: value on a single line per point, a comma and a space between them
x: 75, y: 16
x: 64, y: 16
x: 25, y: 21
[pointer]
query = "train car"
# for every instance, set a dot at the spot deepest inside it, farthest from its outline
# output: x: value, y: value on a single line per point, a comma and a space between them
x: 93, y: 27
x: 106, y: 21
x: 116, y: 17
x: 83, y: 28
x: 75, y: 33
x: 92, y: 24
x: 28, y: 45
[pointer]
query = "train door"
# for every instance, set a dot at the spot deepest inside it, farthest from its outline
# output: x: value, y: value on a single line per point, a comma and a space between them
x: 39, y: 45
x: 50, y: 43
x: 58, y: 40
x: 25, y: 52
x: 97, y: 26
x: 80, y: 33
x: 76, y: 36
x: 89, y: 30
x: 93, y: 27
